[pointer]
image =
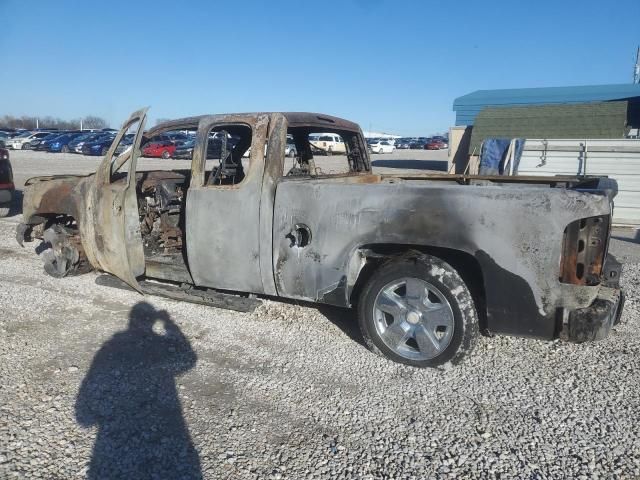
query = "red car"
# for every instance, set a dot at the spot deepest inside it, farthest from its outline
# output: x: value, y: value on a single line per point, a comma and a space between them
x: 434, y: 145
x: 159, y: 147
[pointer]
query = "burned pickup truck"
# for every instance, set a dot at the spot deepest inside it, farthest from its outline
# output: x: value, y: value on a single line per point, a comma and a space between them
x: 430, y: 261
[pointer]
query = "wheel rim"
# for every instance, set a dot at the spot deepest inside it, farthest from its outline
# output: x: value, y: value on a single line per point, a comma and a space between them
x: 413, y: 318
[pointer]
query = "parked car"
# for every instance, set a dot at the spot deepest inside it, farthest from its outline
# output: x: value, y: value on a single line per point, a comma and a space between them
x: 99, y: 146
x: 23, y: 142
x: 79, y: 142
x: 159, y: 147
x: 290, y: 148
x: 381, y: 146
x: 434, y: 144
x: 444, y: 140
x: 328, y: 143
x: 7, y: 188
x: 34, y: 144
x: 125, y: 144
x: 43, y: 144
x: 61, y: 143
x: 418, y: 143
x: 184, y: 151
x: 403, y: 143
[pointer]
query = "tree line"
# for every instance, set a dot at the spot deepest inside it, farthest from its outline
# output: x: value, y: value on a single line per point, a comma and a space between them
x: 29, y: 122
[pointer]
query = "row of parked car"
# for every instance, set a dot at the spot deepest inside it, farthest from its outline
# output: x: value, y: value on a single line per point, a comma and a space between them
x: 388, y: 145
x: 422, y: 143
x: 87, y: 142
x: 92, y: 142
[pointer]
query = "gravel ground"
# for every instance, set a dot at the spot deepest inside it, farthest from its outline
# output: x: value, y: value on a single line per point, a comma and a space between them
x: 104, y: 383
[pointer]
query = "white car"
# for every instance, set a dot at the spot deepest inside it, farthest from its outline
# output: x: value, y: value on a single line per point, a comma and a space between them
x: 381, y: 146
x: 328, y: 142
x: 23, y: 141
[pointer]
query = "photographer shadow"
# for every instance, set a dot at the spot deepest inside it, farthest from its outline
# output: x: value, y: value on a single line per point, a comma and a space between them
x: 130, y: 395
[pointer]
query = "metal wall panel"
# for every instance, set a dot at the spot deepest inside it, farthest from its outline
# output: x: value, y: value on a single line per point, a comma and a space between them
x: 618, y: 159
x: 469, y: 105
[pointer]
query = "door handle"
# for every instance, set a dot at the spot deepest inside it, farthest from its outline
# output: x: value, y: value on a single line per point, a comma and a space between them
x: 299, y: 236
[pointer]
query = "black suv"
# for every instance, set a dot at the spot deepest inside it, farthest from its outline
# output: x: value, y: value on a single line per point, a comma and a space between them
x: 7, y: 189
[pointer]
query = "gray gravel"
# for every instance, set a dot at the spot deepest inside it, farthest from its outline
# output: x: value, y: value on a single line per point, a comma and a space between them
x: 105, y: 383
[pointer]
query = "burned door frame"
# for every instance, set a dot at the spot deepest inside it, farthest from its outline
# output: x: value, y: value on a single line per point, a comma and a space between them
x: 113, y: 210
x: 223, y: 222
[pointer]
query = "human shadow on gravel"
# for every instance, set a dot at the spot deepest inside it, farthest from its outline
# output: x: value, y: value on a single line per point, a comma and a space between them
x: 130, y: 395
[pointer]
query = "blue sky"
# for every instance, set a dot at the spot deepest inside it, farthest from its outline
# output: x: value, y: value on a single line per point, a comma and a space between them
x: 389, y: 65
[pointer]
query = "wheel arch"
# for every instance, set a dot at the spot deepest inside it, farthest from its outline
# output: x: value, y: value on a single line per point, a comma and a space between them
x: 368, y: 258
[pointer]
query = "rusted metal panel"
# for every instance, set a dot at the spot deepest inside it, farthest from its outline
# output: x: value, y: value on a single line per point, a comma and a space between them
x: 272, y: 172
x: 223, y: 222
x: 515, y: 236
x: 112, y: 211
x: 583, y: 251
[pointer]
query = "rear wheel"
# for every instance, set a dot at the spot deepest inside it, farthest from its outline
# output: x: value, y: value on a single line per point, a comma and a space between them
x: 26, y: 146
x: 64, y: 149
x: 104, y: 151
x: 418, y: 311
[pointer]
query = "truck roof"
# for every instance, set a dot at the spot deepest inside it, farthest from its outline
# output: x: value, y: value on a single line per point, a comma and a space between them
x: 295, y: 119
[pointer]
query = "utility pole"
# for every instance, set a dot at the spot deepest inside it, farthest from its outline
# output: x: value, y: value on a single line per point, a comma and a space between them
x: 636, y: 69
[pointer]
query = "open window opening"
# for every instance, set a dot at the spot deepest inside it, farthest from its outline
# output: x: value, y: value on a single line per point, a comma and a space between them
x: 228, y: 155
x: 313, y: 152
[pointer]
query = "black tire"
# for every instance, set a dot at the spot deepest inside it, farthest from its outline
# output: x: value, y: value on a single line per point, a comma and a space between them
x: 26, y: 146
x: 443, y: 277
x: 64, y: 149
x: 166, y: 155
x: 104, y: 151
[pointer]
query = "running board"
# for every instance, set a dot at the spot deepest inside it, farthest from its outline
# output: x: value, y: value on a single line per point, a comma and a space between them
x: 189, y: 294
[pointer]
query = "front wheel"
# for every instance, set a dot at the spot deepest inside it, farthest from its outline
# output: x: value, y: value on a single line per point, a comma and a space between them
x: 61, y: 254
x: 26, y: 146
x: 166, y: 155
x: 104, y: 151
x: 381, y: 151
x: 64, y: 149
x: 418, y: 311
